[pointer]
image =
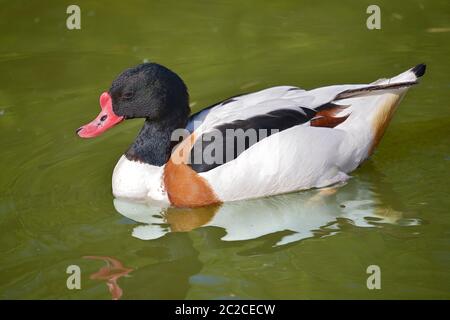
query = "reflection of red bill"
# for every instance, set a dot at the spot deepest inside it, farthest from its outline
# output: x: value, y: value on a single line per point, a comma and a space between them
x: 105, y: 120
x: 113, y: 270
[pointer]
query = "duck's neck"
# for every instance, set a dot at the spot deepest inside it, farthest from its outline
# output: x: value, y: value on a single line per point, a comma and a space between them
x: 153, y: 144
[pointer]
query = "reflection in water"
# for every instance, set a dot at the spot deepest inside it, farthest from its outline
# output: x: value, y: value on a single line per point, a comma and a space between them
x: 113, y: 270
x: 304, y: 214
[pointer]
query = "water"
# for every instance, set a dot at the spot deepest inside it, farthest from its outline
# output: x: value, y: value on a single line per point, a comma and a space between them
x: 56, y: 205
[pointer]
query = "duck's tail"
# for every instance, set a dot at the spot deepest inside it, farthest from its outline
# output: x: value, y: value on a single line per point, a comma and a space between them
x: 403, y: 80
x: 372, y: 106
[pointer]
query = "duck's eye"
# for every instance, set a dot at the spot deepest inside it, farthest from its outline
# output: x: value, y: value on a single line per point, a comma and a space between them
x: 127, y: 95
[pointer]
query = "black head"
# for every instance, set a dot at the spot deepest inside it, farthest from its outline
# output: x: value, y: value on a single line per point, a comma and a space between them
x: 150, y: 91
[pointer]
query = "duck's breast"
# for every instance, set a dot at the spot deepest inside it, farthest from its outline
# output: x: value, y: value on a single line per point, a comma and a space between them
x: 138, y: 181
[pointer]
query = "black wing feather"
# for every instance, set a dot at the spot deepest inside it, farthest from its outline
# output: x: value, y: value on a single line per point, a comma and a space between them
x: 263, y: 125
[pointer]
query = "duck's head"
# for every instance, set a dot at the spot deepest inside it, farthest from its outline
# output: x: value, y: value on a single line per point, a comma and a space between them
x: 149, y: 91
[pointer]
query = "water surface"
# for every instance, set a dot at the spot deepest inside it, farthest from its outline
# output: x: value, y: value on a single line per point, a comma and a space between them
x: 56, y: 205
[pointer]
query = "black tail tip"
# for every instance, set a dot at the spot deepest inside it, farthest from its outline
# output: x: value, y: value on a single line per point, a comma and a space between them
x: 419, y: 70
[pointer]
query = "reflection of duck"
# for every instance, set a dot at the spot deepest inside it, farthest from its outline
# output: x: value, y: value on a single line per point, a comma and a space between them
x: 293, y: 139
x: 305, y: 214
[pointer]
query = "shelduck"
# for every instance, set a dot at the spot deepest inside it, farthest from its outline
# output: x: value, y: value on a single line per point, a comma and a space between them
x: 277, y: 140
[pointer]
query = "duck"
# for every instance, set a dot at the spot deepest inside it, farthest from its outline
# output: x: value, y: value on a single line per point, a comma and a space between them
x: 274, y: 141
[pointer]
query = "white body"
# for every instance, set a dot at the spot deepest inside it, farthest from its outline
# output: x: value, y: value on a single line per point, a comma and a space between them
x: 298, y: 158
x: 139, y: 181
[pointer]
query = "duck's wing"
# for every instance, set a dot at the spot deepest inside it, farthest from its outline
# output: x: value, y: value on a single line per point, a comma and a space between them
x: 276, y: 109
x: 247, y: 105
x: 255, y: 116
x: 242, y: 106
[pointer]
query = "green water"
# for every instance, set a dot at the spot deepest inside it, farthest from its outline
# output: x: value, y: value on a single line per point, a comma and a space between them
x: 56, y: 204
